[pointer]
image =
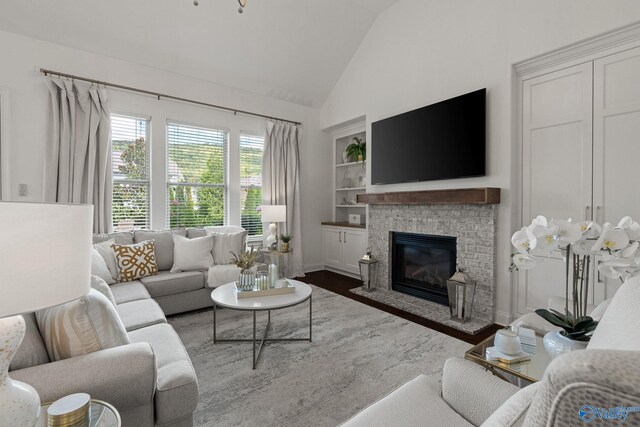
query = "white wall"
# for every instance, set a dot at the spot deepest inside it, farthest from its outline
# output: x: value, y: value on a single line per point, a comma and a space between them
x: 419, y: 52
x: 28, y: 114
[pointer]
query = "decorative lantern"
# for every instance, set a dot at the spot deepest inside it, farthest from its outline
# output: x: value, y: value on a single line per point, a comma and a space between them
x: 462, y: 291
x: 368, y: 271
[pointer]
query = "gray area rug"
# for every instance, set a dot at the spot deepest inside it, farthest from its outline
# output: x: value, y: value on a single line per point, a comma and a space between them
x: 358, y: 355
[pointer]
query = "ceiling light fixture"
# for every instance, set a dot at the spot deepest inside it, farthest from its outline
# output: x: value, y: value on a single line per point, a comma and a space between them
x: 242, y: 3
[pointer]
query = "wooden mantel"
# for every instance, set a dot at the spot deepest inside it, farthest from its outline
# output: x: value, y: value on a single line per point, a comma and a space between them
x: 477, y: 196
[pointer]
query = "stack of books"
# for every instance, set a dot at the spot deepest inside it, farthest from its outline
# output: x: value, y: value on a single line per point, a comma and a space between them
x: 492, y: 353
x: 527, y: 340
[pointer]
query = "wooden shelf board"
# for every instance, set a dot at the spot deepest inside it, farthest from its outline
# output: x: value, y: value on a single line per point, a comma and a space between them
x: 359, y: 205
x: 482, y: 196
x: 352, y: 189
x: 364, y: 162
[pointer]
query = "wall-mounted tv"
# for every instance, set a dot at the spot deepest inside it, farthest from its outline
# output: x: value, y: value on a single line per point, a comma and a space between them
x: 440, y: 141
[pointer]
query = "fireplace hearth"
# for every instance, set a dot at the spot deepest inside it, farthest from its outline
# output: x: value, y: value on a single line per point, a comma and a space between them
x: 421, y: 265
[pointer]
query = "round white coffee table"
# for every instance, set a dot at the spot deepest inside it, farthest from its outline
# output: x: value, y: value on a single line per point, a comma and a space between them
x: 225, y: 296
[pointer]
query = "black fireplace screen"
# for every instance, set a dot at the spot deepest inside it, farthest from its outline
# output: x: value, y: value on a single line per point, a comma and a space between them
x: 421, y: 265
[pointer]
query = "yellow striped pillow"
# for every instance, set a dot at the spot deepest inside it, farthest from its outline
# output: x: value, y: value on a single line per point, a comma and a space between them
x: 82, y: 326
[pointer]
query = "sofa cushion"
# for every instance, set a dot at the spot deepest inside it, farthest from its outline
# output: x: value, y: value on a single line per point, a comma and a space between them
x: 416, y: 403
x: 618, y: 328
x: 129, y: 291
x: 163, y: 242
x: 82, y: 326
x: 135, y: 261
x: 192, y: 254
x: 166, y: 283
x: 119, y: 237
x: 139, y: 314
x: 101, y: 286
x: 193, y: 233
x: 177, y: 386
x: 105, y: 250
x: 32, y: 351
x: 224, y: 244
x: 99, y: 267
x: 512, y: 412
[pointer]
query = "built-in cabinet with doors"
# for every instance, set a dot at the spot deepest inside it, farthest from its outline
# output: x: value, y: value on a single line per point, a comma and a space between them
x: 580, y: 156
x: 344, y: 243
x: 343, y: 247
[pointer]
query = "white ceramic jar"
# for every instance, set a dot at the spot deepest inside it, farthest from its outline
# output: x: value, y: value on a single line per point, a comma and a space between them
x: 507, y: 342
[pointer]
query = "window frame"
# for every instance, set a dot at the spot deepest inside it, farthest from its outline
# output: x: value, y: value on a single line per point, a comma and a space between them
x: 225, y: 173
x: 249, y: 134
x: 148, y: 155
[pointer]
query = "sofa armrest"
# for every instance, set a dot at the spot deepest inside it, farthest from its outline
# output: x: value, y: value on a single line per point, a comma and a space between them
x: 472, y: 391
x: 124, y: 376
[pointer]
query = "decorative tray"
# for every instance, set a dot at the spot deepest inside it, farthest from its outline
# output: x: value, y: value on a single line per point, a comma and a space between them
x: 282, y: 287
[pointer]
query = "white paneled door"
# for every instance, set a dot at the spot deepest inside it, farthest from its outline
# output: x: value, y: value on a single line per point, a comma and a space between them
x: 557, y: 166
x: 616, y: 144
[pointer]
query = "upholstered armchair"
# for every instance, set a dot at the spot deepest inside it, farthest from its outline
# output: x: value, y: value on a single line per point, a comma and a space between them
x: 578, y: 384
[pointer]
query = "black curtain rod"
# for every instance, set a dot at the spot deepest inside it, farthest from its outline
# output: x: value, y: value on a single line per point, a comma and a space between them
x: 163, y: 95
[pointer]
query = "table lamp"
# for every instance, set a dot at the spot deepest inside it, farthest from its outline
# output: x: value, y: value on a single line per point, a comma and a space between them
x: 45, y: 260
x: 273, y: 214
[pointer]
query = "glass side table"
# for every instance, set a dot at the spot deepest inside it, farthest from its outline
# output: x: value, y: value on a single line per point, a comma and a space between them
x: 101, y: 414
x: 521, y: 373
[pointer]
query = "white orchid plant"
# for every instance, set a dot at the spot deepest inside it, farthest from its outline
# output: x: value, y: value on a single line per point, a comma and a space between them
x: 579, y: 243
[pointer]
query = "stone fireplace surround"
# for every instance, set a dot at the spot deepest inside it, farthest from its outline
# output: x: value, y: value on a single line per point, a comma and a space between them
x: 470, y: 215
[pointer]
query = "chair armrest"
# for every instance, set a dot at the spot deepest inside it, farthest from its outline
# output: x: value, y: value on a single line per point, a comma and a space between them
x: 124, y: 376
x: 597, y: 378
x: 472, y: 391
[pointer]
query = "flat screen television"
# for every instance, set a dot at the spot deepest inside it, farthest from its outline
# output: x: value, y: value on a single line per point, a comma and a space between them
x: 440, y: 141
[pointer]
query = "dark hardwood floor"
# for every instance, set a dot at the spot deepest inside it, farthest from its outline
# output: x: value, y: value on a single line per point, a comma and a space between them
x: 341, y: 284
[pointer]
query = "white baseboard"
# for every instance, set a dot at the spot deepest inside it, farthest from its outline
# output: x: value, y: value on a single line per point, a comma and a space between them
x: 502, y: 318
x: 313, y: 267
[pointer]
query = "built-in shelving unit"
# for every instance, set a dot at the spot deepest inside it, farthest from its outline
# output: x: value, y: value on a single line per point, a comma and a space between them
x: 349, y: 175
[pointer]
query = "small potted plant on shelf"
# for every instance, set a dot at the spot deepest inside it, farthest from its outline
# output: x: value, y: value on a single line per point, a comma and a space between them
x: 286, y: 238
x: 357, y: 150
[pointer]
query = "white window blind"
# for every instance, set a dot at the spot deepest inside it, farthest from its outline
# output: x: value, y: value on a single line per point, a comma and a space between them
x: 130, y: 158
x: 197, y: 178
x: 251, y: 152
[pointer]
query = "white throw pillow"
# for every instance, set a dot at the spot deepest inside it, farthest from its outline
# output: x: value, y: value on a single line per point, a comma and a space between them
x: 225, y: 243
x: 82, y: 326
x: 106, y: 251
x: 99, y: 267
x: 192, y: 254
x: 101, y: 286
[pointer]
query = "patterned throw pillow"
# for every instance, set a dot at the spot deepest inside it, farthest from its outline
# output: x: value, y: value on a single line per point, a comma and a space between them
x: 81, y: 326
x: 135, y: 261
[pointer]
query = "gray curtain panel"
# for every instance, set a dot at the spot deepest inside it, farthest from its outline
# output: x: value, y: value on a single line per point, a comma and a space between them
x: 281, y: 185
x: 77, y: 166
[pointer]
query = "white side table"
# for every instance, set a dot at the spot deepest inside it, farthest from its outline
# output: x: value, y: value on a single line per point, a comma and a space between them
x: 225, y: 296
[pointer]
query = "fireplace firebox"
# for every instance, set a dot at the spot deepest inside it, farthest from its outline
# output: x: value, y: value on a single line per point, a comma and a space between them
x: 421, y: 265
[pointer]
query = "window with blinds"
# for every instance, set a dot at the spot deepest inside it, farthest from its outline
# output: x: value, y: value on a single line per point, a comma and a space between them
x: 196, y: 176
x: 251, y: 151
x: 130, y: 159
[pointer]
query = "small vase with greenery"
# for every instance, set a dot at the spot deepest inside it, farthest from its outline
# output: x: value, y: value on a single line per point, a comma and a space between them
x: 286, y: 238
x: 357, y: 150
x: 579, y: 244
x: 245, y: 260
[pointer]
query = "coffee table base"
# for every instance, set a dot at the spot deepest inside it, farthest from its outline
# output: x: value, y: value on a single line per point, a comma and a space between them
x: 256, y: 355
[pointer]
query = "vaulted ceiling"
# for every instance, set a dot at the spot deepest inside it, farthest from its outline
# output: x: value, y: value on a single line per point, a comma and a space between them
x: 293, y: 50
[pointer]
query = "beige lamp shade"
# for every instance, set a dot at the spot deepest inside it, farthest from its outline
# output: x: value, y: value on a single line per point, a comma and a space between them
x: 274, y: 213
x: 45, y: 255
